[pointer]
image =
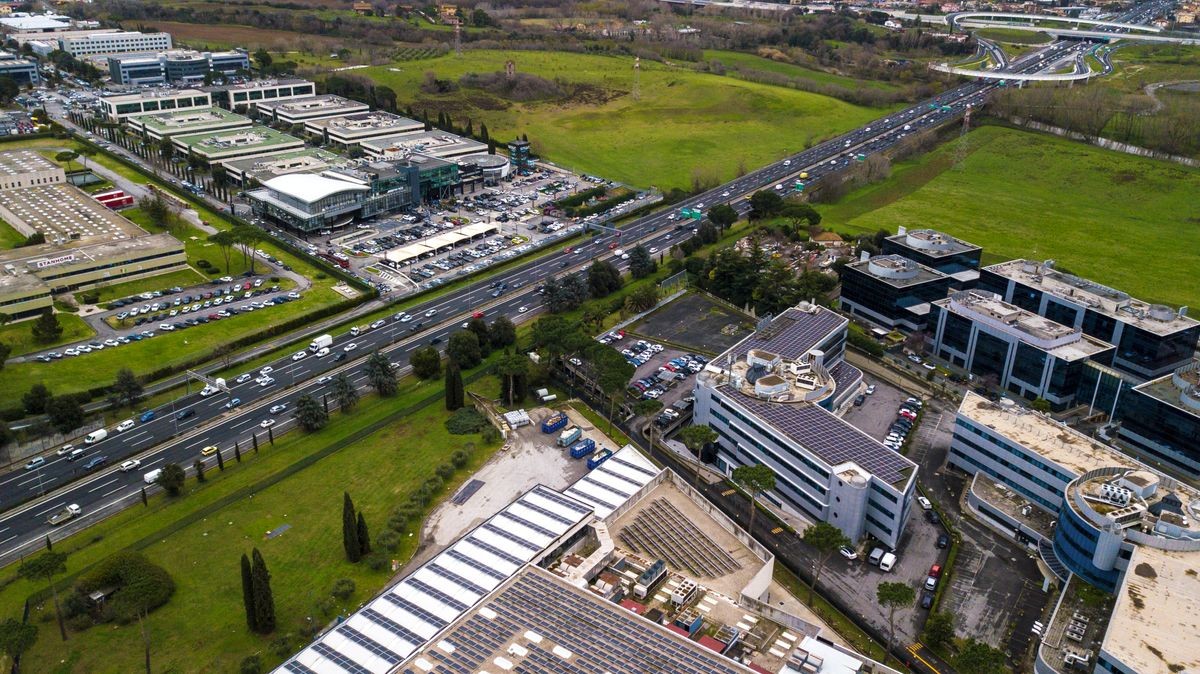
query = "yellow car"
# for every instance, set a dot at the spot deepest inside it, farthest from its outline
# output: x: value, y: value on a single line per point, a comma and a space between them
x: 209, y: 450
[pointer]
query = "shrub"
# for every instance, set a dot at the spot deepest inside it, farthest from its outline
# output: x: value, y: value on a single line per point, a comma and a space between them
x: 433, y: 485
x: 274, y: 279
x: 459, y: 458
x: 342, y: 588
x: 376, y: 561
x: 387, y: 540
x: 491, y: 434
x: 397, y: 523
x: 325, y: 606
x: 445, y: 470
x: 281, y: 645
x: 251, y: 664
x: 465, y: 421
x: 140, y: 585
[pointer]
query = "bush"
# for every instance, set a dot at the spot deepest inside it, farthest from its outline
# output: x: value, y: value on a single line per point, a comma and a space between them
x: 376, y: 561
x: 387, y: 540
x: 466, y: 421
x: 204, y: 264
x: 325, y: 606
x: 281, y: 646
x: 491, y: 434
x: 251, y: 664
x: 445, y: 470
x: 140, y: 585
x: 342, y: 588
x: 274, y: 279
x: 433, y: 485
x: 397, y: 523
x: 459, y: 458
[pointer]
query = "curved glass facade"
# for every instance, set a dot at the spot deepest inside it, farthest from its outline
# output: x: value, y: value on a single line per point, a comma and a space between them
x: 1075, y: 542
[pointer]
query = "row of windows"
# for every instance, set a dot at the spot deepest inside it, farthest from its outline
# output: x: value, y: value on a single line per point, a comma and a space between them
x: 783, y: 485
x: 883, y: 528
x: 1076, y: 546
x: 955, y: 454
x: 110, y: 265
x: 887, y: 513
x: 748, y: 440
x: 765, y: 433
x: 883, y: 492
x: 25, y: 298
x: 1015, y: 451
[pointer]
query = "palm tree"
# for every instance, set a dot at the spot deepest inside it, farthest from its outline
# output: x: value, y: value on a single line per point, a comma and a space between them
x: 381, y: 374
x: 345, y: 393
x: 309, y: 413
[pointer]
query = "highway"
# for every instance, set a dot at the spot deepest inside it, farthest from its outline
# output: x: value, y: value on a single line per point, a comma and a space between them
x: 28, y: 496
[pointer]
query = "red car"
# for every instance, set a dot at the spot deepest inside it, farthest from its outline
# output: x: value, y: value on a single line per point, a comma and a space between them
x: 612, y: 246
x: 477, y: 314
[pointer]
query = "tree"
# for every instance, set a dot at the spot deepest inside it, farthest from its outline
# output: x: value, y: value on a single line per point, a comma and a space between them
x: 696, y: 437
x: 513, y: 369
x: 482, y: 333
x: 502, y: 333
x: 381, y: 375
x: 45, y: 567
x: 603, y: 279
x: 643, y: 298
x: 224, y: 239
x: 248, y: 237
x: 198, y: 466
x: 65, y: 413
x: 248, y: 593
x: 615, y: 373
x: 976, y: 657
x: 764, y: 204
x: 755, y: 479
x: 463, y: 348
x: 939, y: 629
x: 36, y: 399
x: 892, y: 596
x: 454, y: 387
x: 9, y: 89
x: 171, y: 479
x: 263, y: 59
x: 722, y: 215
x: 310, y: 414
x: 67, y: 156
x: 826, y: 539
x: 46, y: 328
x: 426, y: 362
x: 16, y: 637
x: 364, y: 537
x: 264, y: 602
x: 350, y: 542
x: 641, y: 264
x: 127, y: 387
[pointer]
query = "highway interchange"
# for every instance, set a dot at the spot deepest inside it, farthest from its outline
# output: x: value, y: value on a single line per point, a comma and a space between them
x: 28, y: 496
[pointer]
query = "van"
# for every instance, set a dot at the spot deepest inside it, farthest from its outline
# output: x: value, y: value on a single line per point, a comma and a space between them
x: 152, y: 476
x: 876, y: 555
x: 76, y: 454
x: 888, y: 561
x: 95, y: 436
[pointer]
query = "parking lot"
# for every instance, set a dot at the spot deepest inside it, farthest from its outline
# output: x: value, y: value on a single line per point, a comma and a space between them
x: 695, y: 321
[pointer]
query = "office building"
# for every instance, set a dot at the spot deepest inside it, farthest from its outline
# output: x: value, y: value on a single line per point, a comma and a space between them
x: 1160, y: 419
x: 1119, y: 525
x: 434, y: 143
x: 1152, y: 340
x: 771, y: 399
x: 245, y: 97
x: 1027, y: 354
x: 347, y: 130
x: 254, y: 141
x: 96, y: 43
x: 256, y: 170
x: 892, y: 291
x: 22, y: 71
x: 521, y: 157
x: 119, y: 107
x: 174, y: 67
x: 301, y: 110
x: 158, y: 125
x: 489, y: 169
x: 953, y: 257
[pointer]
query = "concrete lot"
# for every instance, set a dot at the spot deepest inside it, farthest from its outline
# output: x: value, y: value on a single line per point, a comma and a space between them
x: 696, y: 322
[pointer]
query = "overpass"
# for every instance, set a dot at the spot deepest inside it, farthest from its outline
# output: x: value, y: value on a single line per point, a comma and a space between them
x: 1116, y: 30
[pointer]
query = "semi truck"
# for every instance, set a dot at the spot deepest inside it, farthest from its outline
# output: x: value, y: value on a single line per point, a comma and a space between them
x: 554, y: 422
x: 321, y: 342
x: 67, y: 513
x: 583, y: 448
x: 599, y: 458
x: 569, y: 436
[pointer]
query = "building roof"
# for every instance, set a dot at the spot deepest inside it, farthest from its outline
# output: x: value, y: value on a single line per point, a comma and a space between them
x: 325, y: 105
x: 38, y: 22
x: 608, y: 486
x: 256, y: 84
x: 217, y: 144
x: 19, y: 162
x: 182, y: 121
x: 896, y: 271
x: 305, y: 160
x: 361, y: 124
x: 152, y: 94
x: 434, y: 143
x: 1154, y: 318
x: 1180, y: 389
x: 793, y: 333
x: 1062, y: 341
x: 931, y: 242
x: 311, y: 188
x: 1153, y: 628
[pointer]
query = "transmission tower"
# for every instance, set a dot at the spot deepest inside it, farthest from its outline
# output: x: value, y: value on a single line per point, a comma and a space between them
x: 458, y: 38
x: 637, y: 78
x: 960, y: 150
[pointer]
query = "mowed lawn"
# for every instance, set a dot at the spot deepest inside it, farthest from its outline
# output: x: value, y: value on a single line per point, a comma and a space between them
x: 683, y: 121
x: 202, y: 628
x: 1124, y: 221
x: 19, y: 336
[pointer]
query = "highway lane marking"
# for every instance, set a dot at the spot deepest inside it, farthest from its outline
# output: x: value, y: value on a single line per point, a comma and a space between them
x: 113, y: 491
x: 9, y: 539
x: 31, y: 479
x: 101, y: 486
x: 57, y: 506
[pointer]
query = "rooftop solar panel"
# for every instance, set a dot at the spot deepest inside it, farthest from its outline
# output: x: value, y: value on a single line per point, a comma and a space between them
x: 629, y: 464
x: 368, y: 643
x: 339, y: 659
x: 406, y: 605
x: 297, y: 668
x: 392, y: 626
x: 794, y: 332
x: 436, y: 594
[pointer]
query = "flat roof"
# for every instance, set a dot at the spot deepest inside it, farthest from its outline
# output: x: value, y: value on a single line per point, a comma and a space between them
x: 1180, y: 389
x: 310, y: 188
x: 792, y: 333
x: 305, y: 160
x: 1062, y: 341
x: 611, y: 484
x: 63, y: 213
x: 1153, y: 628
x: 932, y: 242
x: 896, y: 271
x: 216, y: 143
x: 439, y: 241
x: 433, y: 143
x: 36, y: 22
x: 257, y: 84
x: 20, y: 162
x: 182, y: 121
x: 362, y: 123
x: 152, y: 94
x: 310, y: 106
x: 1158, y: 319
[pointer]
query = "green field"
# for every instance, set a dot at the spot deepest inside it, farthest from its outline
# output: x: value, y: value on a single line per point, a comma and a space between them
x: 1137, y: 66
x: 183, y: 277
x: 202, y: 628
x: 19, y: 336
x: 9, y: 237
x: 1014, y: 35
x: 733, y: 60
x: 1124, y: 221
x: 683, y: 121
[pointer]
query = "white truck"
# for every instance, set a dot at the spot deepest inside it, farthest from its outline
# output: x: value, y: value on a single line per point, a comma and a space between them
x: 321, y: 342
x: 67, y: 513
x: 152, y: 476
x: 95, y: 436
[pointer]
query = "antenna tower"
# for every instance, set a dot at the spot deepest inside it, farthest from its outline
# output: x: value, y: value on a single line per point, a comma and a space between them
x: 637, y: 78
x: 960, y: 150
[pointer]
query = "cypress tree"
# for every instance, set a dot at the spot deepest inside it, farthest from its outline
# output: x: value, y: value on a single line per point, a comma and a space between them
x: 248, y: 592
x: 364, y: 538
x: 264, y: 602
x: 220, y: 461
x: 483, y: 133
x: 350, y: 530
x: 237, y: 453
x: 454, y: 387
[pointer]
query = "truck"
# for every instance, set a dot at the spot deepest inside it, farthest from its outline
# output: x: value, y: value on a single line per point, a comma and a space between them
x: 95, y: 436
x: 321, y: 342
x: 152, y: 476
x: 554, y: 422
x: 583, y: 448
x: 67, y: 513
x: 569, y: 436
x: 599, y: 458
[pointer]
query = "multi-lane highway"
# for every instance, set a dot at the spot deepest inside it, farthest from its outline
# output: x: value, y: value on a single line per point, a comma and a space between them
x: 182, y: 428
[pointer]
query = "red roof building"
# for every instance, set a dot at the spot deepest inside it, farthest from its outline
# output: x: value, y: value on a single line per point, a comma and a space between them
x: 713, y: 644
x: 679, y: 630
x: 633, y: 606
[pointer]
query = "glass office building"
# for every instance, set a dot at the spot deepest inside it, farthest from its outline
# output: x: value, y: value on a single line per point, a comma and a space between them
x: 892, y: 291
x: 953, y: 257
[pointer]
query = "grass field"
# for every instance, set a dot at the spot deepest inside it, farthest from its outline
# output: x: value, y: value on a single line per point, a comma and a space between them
x: 9, y: 237
x: 733, y: 59
x: 1137, y: 66
x: 183, y: 277
x: 684, y: 120
x: 202, y: 628
x: 19, y: 336
x: 1124, y: 221
x: 1014, y: 35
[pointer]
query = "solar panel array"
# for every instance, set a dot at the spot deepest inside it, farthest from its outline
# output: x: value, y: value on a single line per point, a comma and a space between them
x: 844, y: 374
x: 609, y: 485
x: 794, y: 333
x: 540, y: 624
x: 406, y: 616
x: 833, y: 440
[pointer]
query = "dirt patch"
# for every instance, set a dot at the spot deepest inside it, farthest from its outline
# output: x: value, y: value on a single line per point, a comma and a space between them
x: 196, y: 34
x: 1135, y: 597
x: 1145, y: 571
x: 1122, y: 177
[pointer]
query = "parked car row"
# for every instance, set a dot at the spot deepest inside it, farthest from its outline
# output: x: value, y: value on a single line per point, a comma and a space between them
x: 906, y: 416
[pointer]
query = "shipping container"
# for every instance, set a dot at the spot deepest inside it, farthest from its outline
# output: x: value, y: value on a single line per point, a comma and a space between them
x: 555, y: 422
x: 583, y: 448
x: 569, y: 436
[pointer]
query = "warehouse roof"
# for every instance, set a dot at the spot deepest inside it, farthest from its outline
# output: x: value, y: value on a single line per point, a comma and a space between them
x: 608, y: 486
x: 310, y: 188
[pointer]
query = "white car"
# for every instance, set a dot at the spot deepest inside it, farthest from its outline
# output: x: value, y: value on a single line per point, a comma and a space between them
x: 125, y: 425
x: 350, y: 347
x: 324, y: 351
x: 64, y: 450
x: 653, y: 251
x: 242, y: 378
x: 277, y: 409
x: 129, y: 465
x: 405, y: 318
x: 325, y: 380
x: 266, y: 370
x: 848, y: 552
x: 265, y: 381
x: 924, y: 503
x: 522, y: 310
x: 267, y: 423
x: 300, y: 355
x: 377, y: 324
x: 430, y: 313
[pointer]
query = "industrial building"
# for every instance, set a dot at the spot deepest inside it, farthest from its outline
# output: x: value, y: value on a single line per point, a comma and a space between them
x: 247, y: 172
x: 1152, y: 340
x: 1027, y: 354
x: 301, y: 110
x: 25, y: 22
x: 27, y: 168
x: 254, y: 141
x: 772, y: 400
x: 347, y: 130
x: 245, y: 97
x: 119, y: 107
x: 1117, y: 524
x: 938, y: 251
x: 892, y: 291
x: 158, y: 125
x: 176, y: 66
x: 440, y: 144
x: 22, y: 70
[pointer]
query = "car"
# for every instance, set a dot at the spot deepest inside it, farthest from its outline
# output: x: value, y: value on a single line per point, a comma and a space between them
x: 431, y: 313
x: 933, y: 517
x: 266, y: 370
x: 265, y: 381
x: 184, y: 414
x: 350, y: 347
x: 377, y: 324
x: 35, y: 462
x: 209, y: 450
x: 926, y: 600
x: 924, y: 503
x: 943, y: 541
x: 914, y: 358
x: 242, y: 378
x: 64, y: 450
x: 931, y: 583
x: 96, y: 462
x: 266, y: 423
x: 522, y: 309
x: 125, y: 425
x: 929, y: 366
x: 435, y: 340
x: 653, y: 250
x: 870, y: 389
x: 233, y: 403
x: 277, y: 409
x: 129, y: 465
x: 848, y: 552
x: 405, y: 318
x: 859, y: 400
x: 340, y: 357
x: 300, y: 355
